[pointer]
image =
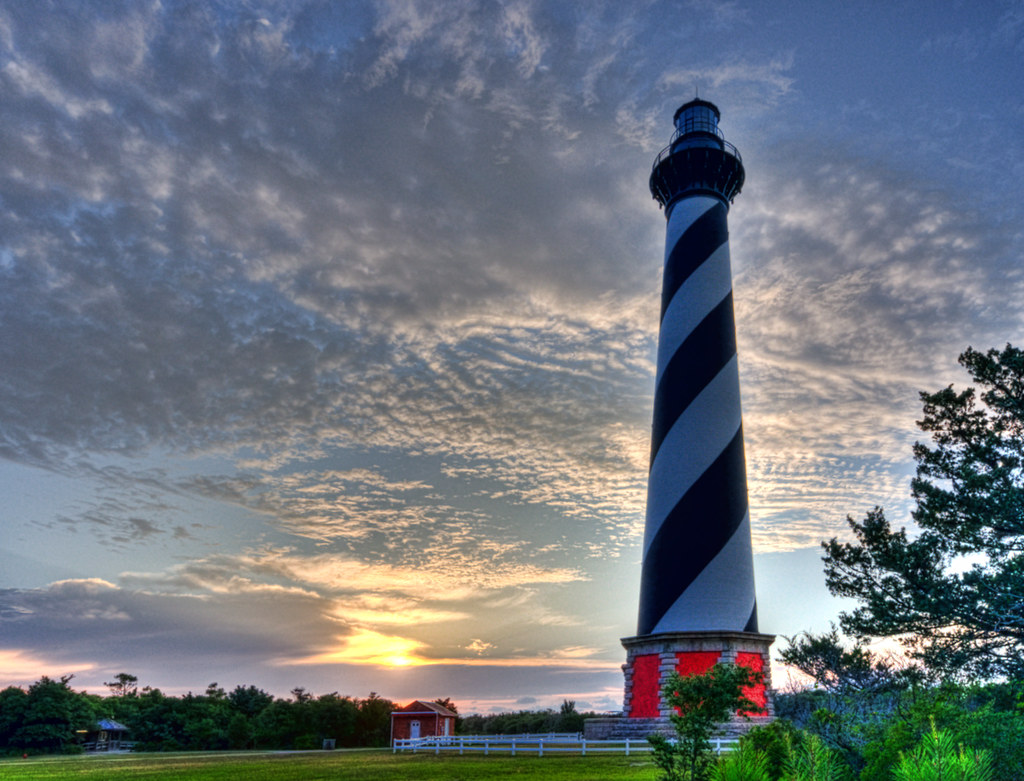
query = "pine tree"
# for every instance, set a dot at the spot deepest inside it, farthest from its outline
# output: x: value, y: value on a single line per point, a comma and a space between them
x: 955, y: 590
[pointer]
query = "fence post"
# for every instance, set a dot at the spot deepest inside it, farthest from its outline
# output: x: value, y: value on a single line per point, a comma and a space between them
x: 627, y: 747
x: 513, y: 746
x: 487, y: 748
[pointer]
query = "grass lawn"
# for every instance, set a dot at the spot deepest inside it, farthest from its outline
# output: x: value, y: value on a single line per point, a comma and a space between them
x: 336, y: 766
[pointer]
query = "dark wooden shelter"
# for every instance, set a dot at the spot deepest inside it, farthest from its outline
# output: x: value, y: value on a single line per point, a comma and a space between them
x: 106, y: 735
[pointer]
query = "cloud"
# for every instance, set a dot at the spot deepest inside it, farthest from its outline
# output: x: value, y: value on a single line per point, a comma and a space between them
x: 231, y: 287
x: 120, y: 629
x: 229, y: 615
x: 453, y: 577
x: 856, y: 287
x: 479, y: 646
x: 23, y: 665
x: 746, y: 81
x: 367, y: 647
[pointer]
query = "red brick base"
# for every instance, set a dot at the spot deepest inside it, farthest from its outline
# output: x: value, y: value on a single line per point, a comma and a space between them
x: 650, y: 659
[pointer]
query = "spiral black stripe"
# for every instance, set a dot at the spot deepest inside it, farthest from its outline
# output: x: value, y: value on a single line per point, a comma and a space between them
x: 752, y: 621
x: 706, y: 234
x: 695, y: 531
x: 708, y: 348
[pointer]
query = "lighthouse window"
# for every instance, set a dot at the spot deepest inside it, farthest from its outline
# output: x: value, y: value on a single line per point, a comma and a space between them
x: 700, y: 119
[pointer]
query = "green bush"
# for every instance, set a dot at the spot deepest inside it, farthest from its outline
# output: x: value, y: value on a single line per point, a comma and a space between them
x: 970, y: 715
x: 775, y: 741
x: 812, y: 760
x: 847, y: 723
x: 940, y: 758
x: 1001, y: 735
x: 744, y: 764
x: 307, y: 742
x: 701, y: 703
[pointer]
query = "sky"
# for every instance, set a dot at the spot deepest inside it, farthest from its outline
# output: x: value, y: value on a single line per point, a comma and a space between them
x: 328, y: 329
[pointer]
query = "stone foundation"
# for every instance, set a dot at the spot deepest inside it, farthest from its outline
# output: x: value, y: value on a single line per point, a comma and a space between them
x: 650, y: 659
x: 619, y: 728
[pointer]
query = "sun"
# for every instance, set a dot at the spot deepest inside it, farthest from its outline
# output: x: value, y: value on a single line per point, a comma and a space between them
x: 364, y: 646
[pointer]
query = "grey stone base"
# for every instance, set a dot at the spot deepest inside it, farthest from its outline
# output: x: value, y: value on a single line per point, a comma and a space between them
x: 619, y: 728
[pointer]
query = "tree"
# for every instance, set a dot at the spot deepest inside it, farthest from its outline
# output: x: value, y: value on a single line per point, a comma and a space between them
x: 249, y: 700
x: 569, y: 719
x: 814, y: 761
x: 123, y: 685
x: 240, y: 731
x: 278, y: 725
x: 334, y: 717
x: 373, y: 723
x: 216, y: 692
x: 955, y: 592
x: 940, y: 757
x: 53, y: 713
x: 13, y: 703
x: 702, y: 702
x: 841, y: 671
x: 447, y: 703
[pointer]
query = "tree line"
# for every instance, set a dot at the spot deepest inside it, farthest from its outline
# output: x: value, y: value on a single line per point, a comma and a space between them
x: 50, y: 716
x: 565, y: 719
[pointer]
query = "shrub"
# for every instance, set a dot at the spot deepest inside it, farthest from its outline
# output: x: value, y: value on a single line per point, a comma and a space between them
x: 1001, y: 735
x: 744, y: 764
x: 701, y: 702
x: 939, y: 758
x: 775, y: 741
x: 812, y: 760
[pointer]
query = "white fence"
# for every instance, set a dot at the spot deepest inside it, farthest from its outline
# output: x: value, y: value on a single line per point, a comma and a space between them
x: 553, y: 743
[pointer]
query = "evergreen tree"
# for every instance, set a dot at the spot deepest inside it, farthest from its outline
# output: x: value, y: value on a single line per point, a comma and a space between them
x: 955, y: 591
x: 842, y: 670
x: 249, y: 700
x: 123, y: 685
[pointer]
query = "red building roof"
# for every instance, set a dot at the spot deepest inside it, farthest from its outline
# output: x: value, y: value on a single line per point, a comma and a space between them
x: 419, y: 706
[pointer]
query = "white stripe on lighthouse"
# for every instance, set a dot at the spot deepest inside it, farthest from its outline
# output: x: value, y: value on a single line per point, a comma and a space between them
x: 684, y: 213
x: 702, y: 292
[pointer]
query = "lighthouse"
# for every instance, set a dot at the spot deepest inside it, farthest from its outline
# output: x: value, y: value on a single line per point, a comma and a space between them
x: 697, y: 601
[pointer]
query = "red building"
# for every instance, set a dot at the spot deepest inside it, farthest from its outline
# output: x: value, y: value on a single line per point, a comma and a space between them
x: 421, y: 719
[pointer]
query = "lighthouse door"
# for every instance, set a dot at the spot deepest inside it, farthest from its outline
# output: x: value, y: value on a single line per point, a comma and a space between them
x: 414, y: 729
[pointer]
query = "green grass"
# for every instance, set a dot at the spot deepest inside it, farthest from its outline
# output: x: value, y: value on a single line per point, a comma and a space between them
x: 336, y: 766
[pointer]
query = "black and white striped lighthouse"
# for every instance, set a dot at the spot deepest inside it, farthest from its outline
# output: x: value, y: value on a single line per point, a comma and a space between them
x: 697, y: 602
